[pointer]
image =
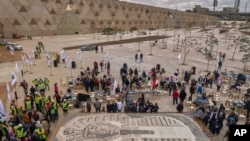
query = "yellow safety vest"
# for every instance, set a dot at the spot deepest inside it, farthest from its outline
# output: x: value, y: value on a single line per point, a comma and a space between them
x: 4, y: 128
x: 65, y: 105
x: 14, y: 111
x: 41, y: 133
x: 46, y: 81
x: 38, y: 99
x: 28, y: 105
x: 20, y: 132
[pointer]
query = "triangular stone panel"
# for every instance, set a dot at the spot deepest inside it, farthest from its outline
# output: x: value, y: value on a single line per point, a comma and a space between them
x: 16, y: 22
x: 23, y: 9
x: 83, y: 21
x: 33, y: 22
x: 77, y: 11
x: 47, y: 22
x: 81, y: 3
x: 52, y: 11
x: 58, y: 1
x: 71, y: 2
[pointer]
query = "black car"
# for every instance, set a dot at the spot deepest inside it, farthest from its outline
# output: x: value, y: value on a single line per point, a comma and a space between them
x: 88, y: 47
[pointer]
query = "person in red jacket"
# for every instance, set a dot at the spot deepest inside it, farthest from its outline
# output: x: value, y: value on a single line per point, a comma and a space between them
x: 175, y: 96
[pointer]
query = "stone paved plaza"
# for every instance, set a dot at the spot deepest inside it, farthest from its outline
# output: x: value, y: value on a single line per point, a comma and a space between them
x: 146, y: 127
x: 130, y: 127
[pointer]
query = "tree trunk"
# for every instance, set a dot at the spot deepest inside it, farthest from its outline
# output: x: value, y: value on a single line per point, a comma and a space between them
x: 184, y: 59
x: 234, y: 52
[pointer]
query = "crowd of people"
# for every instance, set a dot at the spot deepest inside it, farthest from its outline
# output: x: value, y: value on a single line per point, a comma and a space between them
x: 32, y: 121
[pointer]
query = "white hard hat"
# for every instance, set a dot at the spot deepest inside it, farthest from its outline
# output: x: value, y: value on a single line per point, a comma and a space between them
x: 20, y: 125
x: 64, y: 100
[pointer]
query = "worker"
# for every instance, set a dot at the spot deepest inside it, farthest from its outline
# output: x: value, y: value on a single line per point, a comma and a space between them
x: 46, y: 83
x: 65, y: 105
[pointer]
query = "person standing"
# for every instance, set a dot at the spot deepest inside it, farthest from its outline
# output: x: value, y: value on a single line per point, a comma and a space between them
x: 119, y: 105
x: 108, y: 68
x: 53, y: 111
x: 175, y: 96
x: 65, y: 106
x: 101, y: 49
x: 192, y: 91
x: 46, y: 83
x: 38, y: 102
x: 56, y: 88
x: 24, y: 84
x: 219, y: 84
x: 96, y: 49
x: 97, y: 105
x: 101, y: 66
x: 183, y: 95
x: 19, y: 131
x: 248, y: 108
x: 219, y: 65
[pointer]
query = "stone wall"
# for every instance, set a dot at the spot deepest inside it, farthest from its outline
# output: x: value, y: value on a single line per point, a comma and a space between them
x: 49, y: 17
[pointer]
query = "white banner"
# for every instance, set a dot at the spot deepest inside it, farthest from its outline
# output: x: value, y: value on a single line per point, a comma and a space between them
x: 48, y: 61
x: 79, y: 55
x: 115, y: 85
x: 68, y: 62
x: 12, y: 50
x: 179, y: 58
x: 106, y: 57
x: 17, y: 68
x: 138, y: 59
x: 62, y: 54
x: 27, y: 59
x: 33, y: 53
x: 23, y: 58
x: 13, y: 78
x: 2, y: 111
x: 8, y: 91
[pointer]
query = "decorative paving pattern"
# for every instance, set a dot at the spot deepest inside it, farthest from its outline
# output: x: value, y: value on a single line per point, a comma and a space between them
x: 122, y: 127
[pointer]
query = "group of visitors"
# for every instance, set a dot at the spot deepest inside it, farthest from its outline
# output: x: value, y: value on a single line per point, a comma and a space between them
x: 32, y: 121
x: 140, y: 106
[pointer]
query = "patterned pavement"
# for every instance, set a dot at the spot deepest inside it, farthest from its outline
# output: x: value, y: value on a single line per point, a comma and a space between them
x: 128, y: 127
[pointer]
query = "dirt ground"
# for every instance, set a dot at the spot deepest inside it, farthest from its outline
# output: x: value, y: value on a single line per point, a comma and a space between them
x: 6, y: 56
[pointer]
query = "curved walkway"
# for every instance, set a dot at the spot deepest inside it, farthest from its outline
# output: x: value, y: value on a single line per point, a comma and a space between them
x: 130, y: 127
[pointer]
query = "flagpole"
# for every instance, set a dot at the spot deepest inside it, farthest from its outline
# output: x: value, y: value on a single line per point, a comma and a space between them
x: 30, y: 69
x: 139, y: 66
x: 81, y: 65
x: 50, y: 71
x: 34, y: 61
x: 71, y: 72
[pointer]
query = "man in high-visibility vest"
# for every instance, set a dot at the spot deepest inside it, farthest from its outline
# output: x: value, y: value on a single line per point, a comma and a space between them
x: 41, y: 132
x: 19, y: 131
x: 38, y: 101
x: 46, y: 83
x: 43, y: 102
x: 41, y: 87
x: 14, y: 111
x: 4, y: 130
x: 65, y: 105
x: 27, y: 103
x: 36, y: 82
x: 53, y: 111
